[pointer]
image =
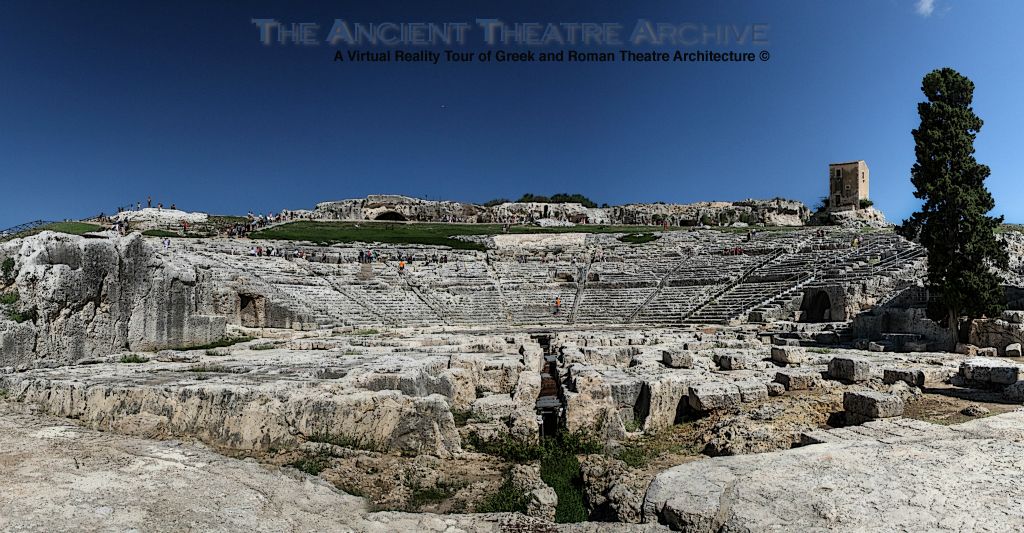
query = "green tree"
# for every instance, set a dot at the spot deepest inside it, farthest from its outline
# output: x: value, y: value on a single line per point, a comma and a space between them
x: 953, y: 224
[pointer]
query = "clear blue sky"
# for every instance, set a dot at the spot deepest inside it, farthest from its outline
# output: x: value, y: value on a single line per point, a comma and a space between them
x: 103, y: 106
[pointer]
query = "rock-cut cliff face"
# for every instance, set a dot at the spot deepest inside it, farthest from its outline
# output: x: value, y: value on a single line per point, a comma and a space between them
x: 79, y: 298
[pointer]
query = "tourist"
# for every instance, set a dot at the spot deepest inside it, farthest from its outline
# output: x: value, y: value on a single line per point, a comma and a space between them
x: 401, y: 267
x: 149, y: 202
x: 558, y: 304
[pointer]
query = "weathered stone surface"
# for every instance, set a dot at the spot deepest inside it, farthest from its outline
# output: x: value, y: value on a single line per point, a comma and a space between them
x: 677, y: 358
x: 775, y: 388
x: 984, y: 372
x: 798, y: 379
x: 1013, y: 350
x: 752, y: 391
x: 876, y: 347
x: 849, y: 368
x: 872, y: 404
x: 955, y: 484
x: 734, y: 361
x: 988, y: 352
x: 910, y: 376
x: 712, y: 396
x: 94, y: 297
x: 788, y: 355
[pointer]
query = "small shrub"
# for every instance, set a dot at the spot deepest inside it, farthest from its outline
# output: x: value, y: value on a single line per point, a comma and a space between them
x: 508, y: 499
x: 421, y: 496
x: 312, y: 464
x: 865, y: 203
x: 461, y: 417
x: 133, y: 358
x: 7, y: 270
x: 507, y: 448
x: 9, y: 298
x: 28, y: 315
x: 633, y: 456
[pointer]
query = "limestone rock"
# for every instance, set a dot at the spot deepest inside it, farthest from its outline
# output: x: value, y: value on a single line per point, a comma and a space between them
x: 1013, y: 350
x: 677, y: 359
x: 788, y: 355
x: 713, y: 396
x: 849, y: 368
x: 872, y: 404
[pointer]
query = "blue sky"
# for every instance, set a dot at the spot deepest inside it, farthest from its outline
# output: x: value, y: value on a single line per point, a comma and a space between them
x: 180, y: 101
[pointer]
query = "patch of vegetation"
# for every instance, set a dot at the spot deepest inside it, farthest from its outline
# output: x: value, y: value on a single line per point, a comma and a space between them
x: 461, y: 416
x: 133, y: 358
x: 3, y: 393
x: 639, y: 238
x: 74, y: 228
x: 222, y: 343
x: 561, y: 471
x: 28, y: 315
x: 865, y: 203
x: 634, y: 455
x: 7, y: 270
x: 559, y: 198
x: 9, y: 298
x: 496, y: 202
x: 633, y: 425
x: 347, y: 441
x: 312, y: 464
x: 420, y: 496
x: 508, y: 499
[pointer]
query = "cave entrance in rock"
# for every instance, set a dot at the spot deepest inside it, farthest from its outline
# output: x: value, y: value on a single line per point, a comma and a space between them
x: 250, y: 310
x: 817, y: 307
x: 391, y: 215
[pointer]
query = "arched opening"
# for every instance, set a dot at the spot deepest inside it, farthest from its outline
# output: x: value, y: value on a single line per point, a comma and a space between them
x: 817, y: 307
x: 391, y: 215
x: 251, y: 310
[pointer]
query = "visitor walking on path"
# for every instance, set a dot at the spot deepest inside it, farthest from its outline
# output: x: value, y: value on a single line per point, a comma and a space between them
x: 558, y: 304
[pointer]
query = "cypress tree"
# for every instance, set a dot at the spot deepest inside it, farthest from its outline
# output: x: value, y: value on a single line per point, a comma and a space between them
x: 953, y: 223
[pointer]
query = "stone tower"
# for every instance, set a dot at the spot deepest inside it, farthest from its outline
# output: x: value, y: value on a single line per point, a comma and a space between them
x: 848, y: 185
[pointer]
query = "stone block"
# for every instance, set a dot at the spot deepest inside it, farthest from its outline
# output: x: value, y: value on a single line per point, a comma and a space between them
x: 849, y: 368
x: 967, y: 349
x: 798, y: 379
x: 910, y: 376
x: 775, y: 389
x: 677, y: 359
x: 982, y: 372
x: 1013, y: 350
x: 872, y: 404
x: 714, y: 396
x: 733, y: 362
x: 876, y: 347
x: 788, y: 355
x: 913, y: 346
x: 988, y: 352
x: 752, y: 391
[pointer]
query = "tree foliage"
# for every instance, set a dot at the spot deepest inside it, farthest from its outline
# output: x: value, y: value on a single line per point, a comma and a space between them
x: 953, y: 223
x: 560, y: 198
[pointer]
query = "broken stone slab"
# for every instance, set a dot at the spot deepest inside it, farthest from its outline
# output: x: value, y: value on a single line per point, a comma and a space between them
x: 911, y: 376
x: 798, y: 379
x: 1013, y: 350
x: 713, y: 396
x: 1014, y: 317
x: 969, y: 350
x: 788, y: 355
x: 872, y: 404
x: 849, y: 368
x: 984, y: 372
x: 775, y: 389
x: 876, y: 347
x: 677, y: 359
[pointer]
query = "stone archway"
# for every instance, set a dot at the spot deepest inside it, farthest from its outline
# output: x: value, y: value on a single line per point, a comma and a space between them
x: 816, y: 307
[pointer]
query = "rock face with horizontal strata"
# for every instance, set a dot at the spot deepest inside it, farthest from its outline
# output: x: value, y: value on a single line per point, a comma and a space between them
x: 93, y: 297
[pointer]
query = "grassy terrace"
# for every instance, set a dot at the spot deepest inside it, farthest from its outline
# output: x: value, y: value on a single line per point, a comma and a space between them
x: 74, y: 228
x: 416, y: 232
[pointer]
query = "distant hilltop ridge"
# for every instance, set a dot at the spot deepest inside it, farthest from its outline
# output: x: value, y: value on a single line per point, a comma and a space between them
x: 775, y: 212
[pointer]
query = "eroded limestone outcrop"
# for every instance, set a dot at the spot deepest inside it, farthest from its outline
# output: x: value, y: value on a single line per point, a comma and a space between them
x: 80, y: 298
